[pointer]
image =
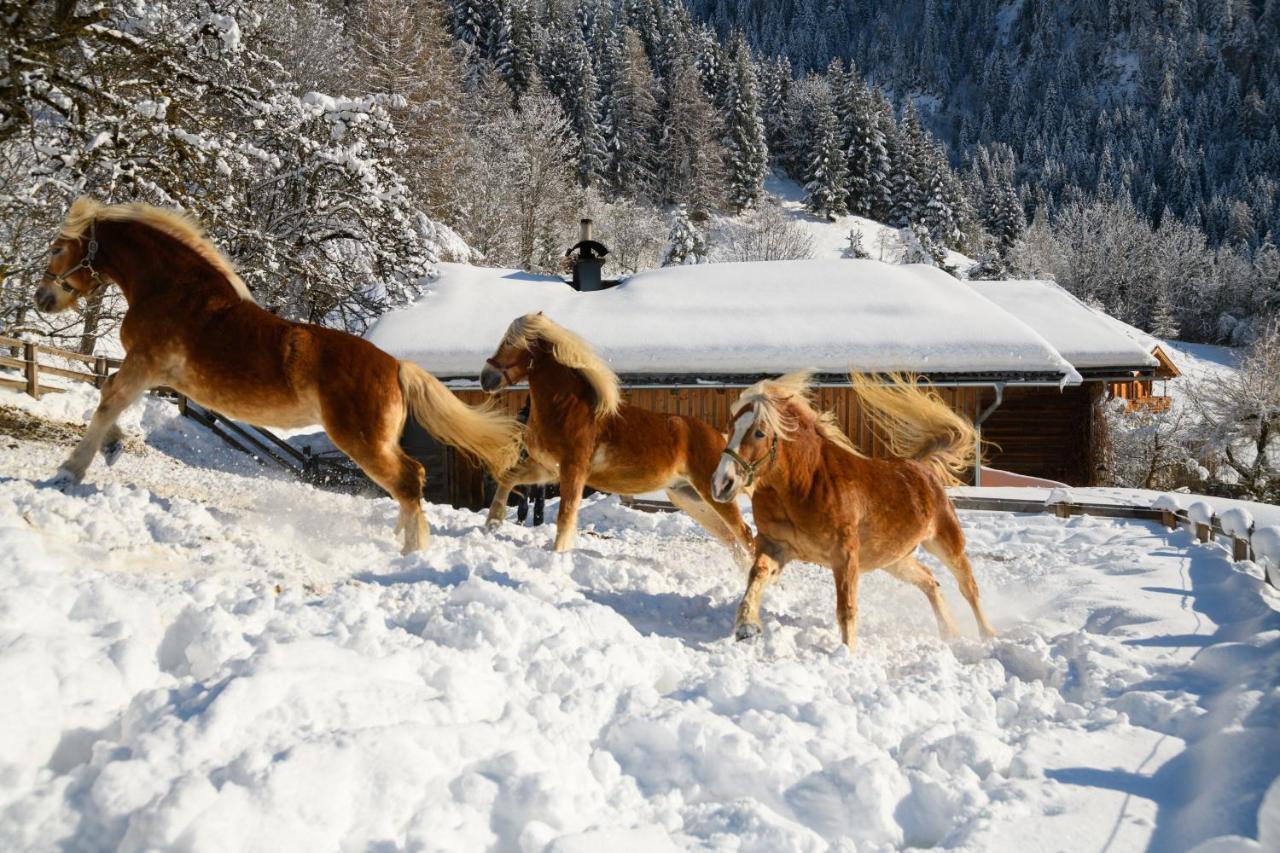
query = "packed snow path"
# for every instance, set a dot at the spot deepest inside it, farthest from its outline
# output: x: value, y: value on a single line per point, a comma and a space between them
x: 195, y: 654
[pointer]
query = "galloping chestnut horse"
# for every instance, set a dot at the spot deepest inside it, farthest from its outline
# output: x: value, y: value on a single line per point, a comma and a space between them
x: 192, y: 325
x: 818, y: 498
x: 580, y: 433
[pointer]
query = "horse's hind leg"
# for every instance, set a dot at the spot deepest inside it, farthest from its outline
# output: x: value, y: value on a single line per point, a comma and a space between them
x: 403, y: 478
x: 909, y: 570
x: 742, y: 540
x: 684, y: 497
x: 121, y: 390
x: 948, y: 546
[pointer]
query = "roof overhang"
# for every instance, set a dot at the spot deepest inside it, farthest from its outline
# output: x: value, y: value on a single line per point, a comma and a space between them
x: 1116, y: 374
x: 820, y: 380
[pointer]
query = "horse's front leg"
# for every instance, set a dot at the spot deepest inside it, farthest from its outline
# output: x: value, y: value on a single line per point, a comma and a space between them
x: 847, y: 599
x: 119, y: 392
x: 573, y: 478
x: 763, y: 569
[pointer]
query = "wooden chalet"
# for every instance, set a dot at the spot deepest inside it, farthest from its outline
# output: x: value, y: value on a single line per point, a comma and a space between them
x: 1113, y: 360
x: 689, y: 339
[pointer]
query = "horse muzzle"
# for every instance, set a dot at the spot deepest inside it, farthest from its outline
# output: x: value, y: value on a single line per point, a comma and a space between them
x: 724, y: 482
x: 45, y: 299
x: 491, y: 379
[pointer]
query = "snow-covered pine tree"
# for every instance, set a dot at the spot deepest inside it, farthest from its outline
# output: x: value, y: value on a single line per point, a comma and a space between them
x: 629, y: 116
x: 580, y: 98
x: 403, y: 50
x: 1008, y: 221
x: 854, y: 247
x: 775, y: 85
x: 866, y: 159
x: 937, y: 215
x: 685, y: 244
x: 1163, y: 322
x: 824, y: 191
x: 692, y: 161
x: 921, y: 248
x: 881, y: 176
x: 745, y: 148
x: 903, y: 202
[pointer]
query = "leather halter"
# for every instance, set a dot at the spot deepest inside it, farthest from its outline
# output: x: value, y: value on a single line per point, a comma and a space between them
x: 501, y: 368
x: 749, y: 469
x: 86, y: 263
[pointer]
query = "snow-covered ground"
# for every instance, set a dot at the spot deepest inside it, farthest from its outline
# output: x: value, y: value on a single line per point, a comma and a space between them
x: 831, y: 239
x: 199, y: 654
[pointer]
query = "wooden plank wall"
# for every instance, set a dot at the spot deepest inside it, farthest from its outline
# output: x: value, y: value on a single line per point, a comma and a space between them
x: 1042, y: 432
x: 462, y: 484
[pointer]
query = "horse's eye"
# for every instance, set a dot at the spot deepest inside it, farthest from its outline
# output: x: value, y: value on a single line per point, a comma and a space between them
x: 759, y: 433
x: 55, y: 251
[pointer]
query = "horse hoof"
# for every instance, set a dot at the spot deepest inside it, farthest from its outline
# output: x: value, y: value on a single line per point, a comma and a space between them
x: 493, y: 524
x: 66, y: 477
x: 112, y: 452
x: 747, y: 631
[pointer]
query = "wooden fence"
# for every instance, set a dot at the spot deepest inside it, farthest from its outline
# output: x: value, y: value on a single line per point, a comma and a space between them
x: 26, y: 357
x: 1207, y: 527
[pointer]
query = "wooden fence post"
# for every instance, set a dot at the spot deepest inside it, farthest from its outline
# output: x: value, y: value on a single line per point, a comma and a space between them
x: 1240, y: 549
x: 30, y: 353
x: 1204, y: 532
x: 100, y: 371
x: 1169, y: 519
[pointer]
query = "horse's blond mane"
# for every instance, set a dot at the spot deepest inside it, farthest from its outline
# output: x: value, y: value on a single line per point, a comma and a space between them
x: 783, y: 403
x: 571, y: 351
x: 173, y: 223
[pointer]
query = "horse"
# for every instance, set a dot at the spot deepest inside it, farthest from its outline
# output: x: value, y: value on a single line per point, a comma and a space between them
x: 192, y: 325
x: 816, y: 497
x: 581, y: 433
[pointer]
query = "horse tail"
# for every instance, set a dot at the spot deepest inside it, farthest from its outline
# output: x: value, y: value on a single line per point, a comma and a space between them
x: 915, y: 423
x: 480, y: 432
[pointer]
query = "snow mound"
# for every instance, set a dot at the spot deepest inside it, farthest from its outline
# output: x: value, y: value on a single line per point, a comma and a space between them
x: 1266, y: 544
x: 1200, y: 512
x: 1236, y: 521
x: 198, y: 655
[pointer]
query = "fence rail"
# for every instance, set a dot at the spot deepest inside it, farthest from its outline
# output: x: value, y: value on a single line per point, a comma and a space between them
x: 25, y: 356
x: 1205, y: 527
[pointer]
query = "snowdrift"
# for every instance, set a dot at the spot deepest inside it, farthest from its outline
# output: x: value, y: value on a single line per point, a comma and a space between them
x: 197, y: 654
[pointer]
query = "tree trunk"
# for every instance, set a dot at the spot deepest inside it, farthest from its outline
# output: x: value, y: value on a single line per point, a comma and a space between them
x: 92, y: 314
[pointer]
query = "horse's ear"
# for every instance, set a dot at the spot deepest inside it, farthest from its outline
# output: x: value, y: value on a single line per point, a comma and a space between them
x: 539, y: 313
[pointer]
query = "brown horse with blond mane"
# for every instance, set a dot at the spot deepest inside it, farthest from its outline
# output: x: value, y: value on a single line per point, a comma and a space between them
x: 581, y: 433
x: 192, y: 325
x: 817, y: 498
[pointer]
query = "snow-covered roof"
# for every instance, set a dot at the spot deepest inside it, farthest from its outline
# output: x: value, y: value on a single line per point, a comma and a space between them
x: 1086, y: 337
x: 734, y: 319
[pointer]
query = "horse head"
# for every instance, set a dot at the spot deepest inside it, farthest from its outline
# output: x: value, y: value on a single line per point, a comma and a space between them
x: 753, y: 445
x: 70, y: 273
x: 511, y: 361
